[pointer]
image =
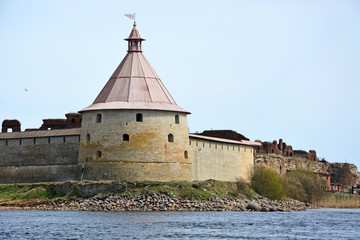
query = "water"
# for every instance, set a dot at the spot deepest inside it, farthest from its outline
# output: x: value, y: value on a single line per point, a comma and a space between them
x: 312, y: 224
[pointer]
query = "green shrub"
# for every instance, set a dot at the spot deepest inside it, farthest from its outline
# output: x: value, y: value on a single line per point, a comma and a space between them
x: 266, y: 183
x: 303, y: 185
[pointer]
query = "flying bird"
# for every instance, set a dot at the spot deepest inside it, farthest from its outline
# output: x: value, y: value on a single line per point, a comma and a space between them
x: 25, y: 89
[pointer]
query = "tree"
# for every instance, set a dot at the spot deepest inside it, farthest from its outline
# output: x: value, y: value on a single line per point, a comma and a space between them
x: 266, y: 183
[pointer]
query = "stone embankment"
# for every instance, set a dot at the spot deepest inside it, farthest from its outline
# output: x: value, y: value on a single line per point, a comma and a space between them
x: 157, y: 202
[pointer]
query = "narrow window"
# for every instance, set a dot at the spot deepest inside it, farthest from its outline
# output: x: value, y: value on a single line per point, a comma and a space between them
x: 186, y: 154
x: 6, y: 142
x: 126, y: 137
x: 98, y: 118
x: 139, y: 117
x: 87, y: 137
x: 177, y: 120
x: 171, y: 138
x: 34, y: 141
x: 98, y: 153
x: 49, y: 140
x: 20, y: 142
x: 64, y: 139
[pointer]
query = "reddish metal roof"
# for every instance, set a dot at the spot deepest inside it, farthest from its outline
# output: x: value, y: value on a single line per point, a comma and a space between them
x: 42, y: 133
x: 134, y: 33
x: 223, y: 140
x: 134, y: 84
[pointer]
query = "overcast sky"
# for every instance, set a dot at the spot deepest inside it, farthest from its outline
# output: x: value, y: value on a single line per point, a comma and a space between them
x: 266, y: 69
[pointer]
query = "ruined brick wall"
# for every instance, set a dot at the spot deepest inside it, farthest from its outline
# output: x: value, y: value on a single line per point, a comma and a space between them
x: 13, y: 124
x: 39, y: 159
x: 73, y: 120
x: 220, y: 161
x: 285, y: 150
x: 146, y: 156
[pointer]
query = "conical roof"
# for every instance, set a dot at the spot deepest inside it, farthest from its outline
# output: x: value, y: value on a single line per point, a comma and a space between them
x: 134, y: 84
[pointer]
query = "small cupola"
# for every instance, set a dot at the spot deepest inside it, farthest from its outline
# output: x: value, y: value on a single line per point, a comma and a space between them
x: 134, y: 40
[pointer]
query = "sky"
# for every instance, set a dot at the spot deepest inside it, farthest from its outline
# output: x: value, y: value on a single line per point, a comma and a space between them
x: 266, y: 69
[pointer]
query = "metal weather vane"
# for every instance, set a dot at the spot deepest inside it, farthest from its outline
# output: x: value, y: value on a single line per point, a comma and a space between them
x: 131, y: 16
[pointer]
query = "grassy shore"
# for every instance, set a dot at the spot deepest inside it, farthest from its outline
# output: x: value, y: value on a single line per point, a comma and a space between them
x: 35, y: 192
x: 339, y: 200
x: 184, y: 190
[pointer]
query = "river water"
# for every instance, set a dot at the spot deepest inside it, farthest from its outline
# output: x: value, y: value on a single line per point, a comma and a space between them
x: 311, y: 224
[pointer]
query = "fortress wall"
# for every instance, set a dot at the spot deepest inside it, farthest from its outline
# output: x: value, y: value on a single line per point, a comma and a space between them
x: 39, y: 159
x: 220, y: 161
x: 146, y: 156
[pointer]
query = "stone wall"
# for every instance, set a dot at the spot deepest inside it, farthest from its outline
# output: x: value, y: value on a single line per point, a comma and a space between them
x: 344, y: 174
x: 220, y: 161
x: 147, y: 153
x: 39, y: 159
x: 281, y: 164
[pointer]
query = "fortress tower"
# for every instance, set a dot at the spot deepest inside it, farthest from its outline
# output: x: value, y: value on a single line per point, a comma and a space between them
x: 134, y: 130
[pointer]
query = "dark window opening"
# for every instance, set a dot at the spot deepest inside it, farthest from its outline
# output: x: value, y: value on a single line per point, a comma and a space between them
x: 126, y: 137
x: 49, y: 140
x: 98, y: 153
x: 64, y: 139
x: 139, y: 117
x: 34, y: 141
x: 6, y: 142
x: 171, y: 138
x: 177, y: 120
x: 98, y: 118
x: 20, y: 141
x: 87, y: 137
x: 73, y: 120
x: 186, y: 155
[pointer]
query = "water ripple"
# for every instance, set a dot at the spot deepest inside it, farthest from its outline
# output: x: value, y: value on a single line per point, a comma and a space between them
x: 312, y: 224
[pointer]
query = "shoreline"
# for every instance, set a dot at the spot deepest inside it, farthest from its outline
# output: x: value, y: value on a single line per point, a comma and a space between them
x: 157, y: 203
